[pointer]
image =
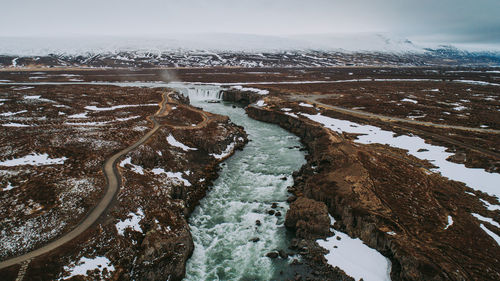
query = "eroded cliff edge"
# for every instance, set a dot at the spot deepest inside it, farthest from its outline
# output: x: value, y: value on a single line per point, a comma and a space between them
x: 144, y: 234
x: 389, y: 200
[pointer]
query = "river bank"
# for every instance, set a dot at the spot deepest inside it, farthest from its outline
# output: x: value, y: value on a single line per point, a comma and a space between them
x: 388, y: 199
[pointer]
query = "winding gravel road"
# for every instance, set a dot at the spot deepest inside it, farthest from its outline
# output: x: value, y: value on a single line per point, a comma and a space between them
x: 113, y: 178
x: 359, y: 113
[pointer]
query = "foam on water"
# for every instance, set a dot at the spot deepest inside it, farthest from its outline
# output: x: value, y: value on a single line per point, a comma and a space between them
x: 249, y: 182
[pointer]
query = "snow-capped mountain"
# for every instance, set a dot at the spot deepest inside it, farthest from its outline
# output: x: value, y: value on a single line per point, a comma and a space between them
x: 220, y: 42
x: 202, y: 50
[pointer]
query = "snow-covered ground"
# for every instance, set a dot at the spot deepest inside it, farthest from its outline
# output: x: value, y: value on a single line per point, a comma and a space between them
x: 485, y: 219
x: 33, y: 159
x: 475, y: 178
x: 409, y: 100
x: 12, y: 124
x: 254, y: 90
x: 85, y: 264
x: 102, y: 123
x: 8, y: 114
x: 489, y: 206
x: 176, y: 176
x: 450, y: 222
x: 87, y: 123
x: 79, y: 115
x: 492, y: 222
x: 175, y: 143
x: 8, y: 187
x: 491, y: 233
x: 136, y: 168
x: 355, y: 258
x: 260, y: 103
x: 95, y: 108
x: 229, y: 149
x: 305, y: 104
x: 132, y: 222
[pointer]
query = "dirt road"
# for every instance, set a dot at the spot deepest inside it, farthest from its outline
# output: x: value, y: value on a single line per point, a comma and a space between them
x: 368, y: 115
x: 364, y: 114
x: 113, y: 178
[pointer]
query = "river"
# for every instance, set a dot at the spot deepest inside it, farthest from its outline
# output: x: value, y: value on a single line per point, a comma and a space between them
x: 249, y: 182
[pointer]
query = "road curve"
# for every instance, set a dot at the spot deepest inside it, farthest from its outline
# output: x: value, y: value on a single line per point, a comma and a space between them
x: 314, y: 99
x: 113, y: 185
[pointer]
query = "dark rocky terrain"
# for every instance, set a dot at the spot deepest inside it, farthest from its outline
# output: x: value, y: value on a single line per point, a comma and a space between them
x: 386, y: 198
x: 143, y: 235
x: 380, y: 194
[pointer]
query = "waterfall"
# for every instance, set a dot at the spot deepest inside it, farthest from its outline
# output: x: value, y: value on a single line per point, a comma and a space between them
x: 204, y: 93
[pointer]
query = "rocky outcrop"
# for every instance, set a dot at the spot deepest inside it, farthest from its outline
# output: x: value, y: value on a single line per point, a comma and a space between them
x: 144, y: 233
x: 309, y: 218
x: 241, y: 97
x: 377, y: 194
x: 164, y: 255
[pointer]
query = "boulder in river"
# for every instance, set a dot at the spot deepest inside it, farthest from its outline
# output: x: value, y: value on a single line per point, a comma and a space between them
x: 272, y: 255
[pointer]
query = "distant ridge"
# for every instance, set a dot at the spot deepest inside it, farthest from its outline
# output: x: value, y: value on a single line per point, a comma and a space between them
x: 244, y: 50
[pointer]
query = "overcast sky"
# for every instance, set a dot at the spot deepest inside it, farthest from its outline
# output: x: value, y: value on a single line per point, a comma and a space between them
x: 466, y: 21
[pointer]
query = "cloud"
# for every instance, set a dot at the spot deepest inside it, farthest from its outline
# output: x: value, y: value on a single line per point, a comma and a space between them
x: 455, y: 20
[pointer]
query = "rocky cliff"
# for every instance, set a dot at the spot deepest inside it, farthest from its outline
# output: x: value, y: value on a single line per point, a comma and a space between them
x: 144, y: 233
x: 377, y: 194
x: 241, y: 97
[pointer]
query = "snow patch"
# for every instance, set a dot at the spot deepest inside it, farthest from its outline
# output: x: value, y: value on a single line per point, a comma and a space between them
x: 305, y: 104
x: 23, y: 88
x: 95, y: 108
x: 176, y: 175
x: 6, y: 114
x: 87, y: 123
x: 292, y: 114
x: 8, y: 187
x: 32, y: 97
x: 489, y: 206
x: 260, y: 103
x: 132, y: 222
x: 33, y: 159
x: 173, y: 142
x: 450, y: 222
x: 409, y: 100
x: 491, y: 233
x: 255, y: 90
x: 79, y: 115
x: 229, y: 149
x: 89, y: 264
x: 355, y: 258
x: 459, y: 108
x: 135, y: 168
x: 485, y: 219
x: 127, y: 118
x: 476, y: 178
x: 11, y: 124
x: 473, y: 82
